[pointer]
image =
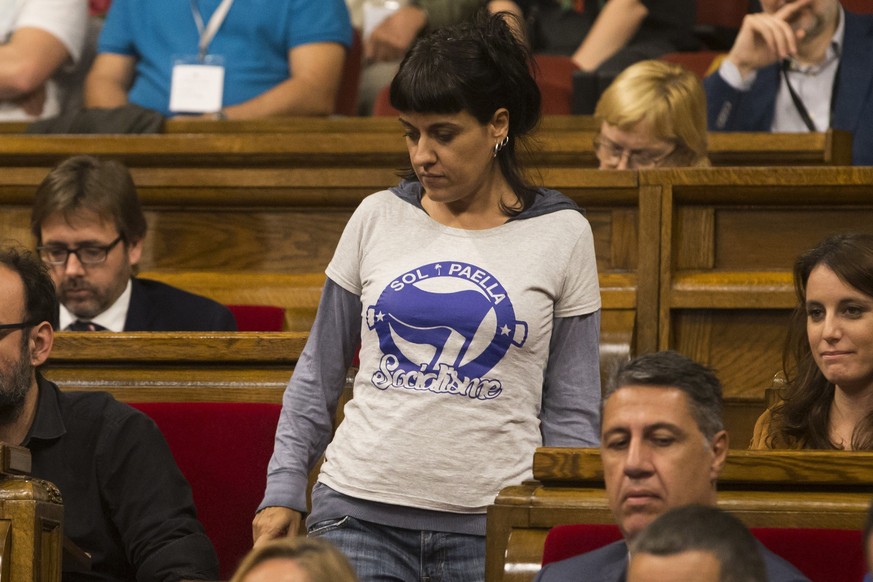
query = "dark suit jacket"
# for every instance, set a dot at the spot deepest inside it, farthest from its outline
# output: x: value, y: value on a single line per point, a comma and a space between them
x: 609, y: 564
x: 156, y: 306
x: 753, y: 110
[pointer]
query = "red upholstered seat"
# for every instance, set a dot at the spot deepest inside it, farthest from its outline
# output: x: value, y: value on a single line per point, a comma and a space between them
x: 258, y: 317
x: 554, y: 76
x: 347, y: 97
x: 566, y: 541
x: 223, y: 449
x: 824, y: 555
x: 858, y: 6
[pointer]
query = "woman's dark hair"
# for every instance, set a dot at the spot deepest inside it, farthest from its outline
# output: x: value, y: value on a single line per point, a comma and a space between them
x: 801, y: 418
x: 478, y: 67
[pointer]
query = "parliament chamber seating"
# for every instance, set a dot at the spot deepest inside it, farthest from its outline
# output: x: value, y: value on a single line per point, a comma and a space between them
x: 358, y: 143
x: 729, y: 238
x: 822, y: 554
x: 347, y: 95
x: 796, y: 498
x: 223, y: 449
x: 258, y: 317
x: 216, y: 398
x: 692, y: 259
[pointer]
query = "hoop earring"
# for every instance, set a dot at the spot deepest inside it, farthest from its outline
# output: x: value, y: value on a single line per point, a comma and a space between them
x: 500, y: 145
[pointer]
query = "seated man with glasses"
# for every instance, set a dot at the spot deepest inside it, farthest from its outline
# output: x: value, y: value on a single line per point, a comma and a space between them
x: 126, y: 503
x: 653, y: 115
x: 89, y: 226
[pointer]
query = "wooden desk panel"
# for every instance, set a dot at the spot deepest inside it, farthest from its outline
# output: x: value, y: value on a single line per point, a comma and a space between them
x: 177, y: 366
x: 729, y: 238
x: 802, y: 489
x: 353, y: 145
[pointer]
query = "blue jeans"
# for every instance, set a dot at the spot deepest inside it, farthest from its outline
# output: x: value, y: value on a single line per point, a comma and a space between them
x: 380, y: 553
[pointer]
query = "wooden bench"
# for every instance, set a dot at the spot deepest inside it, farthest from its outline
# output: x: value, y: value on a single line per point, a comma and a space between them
x: 822, y: 554
x: 782, y: 489
x: 258, y: 236
x: 317, y: 124
x: 729, y: 241
x: 693, y: 259
x: 177, y: 367
x: 355, y: 148
x: 31, y: 521
x: 216, y: 399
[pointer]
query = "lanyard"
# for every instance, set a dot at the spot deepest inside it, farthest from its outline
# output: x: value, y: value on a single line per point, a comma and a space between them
x: 207, y: 32
x: 798, y: 102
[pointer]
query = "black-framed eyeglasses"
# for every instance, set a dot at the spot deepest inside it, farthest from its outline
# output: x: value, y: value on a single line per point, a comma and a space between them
x: 87, y: 254
x: 5, y: 328
x: 612, y: 153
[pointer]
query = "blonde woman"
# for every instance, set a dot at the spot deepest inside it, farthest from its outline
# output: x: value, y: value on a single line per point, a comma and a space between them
x: 295, y: 560
x: 652, y: 115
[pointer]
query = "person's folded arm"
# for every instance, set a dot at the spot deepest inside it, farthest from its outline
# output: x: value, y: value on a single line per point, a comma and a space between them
x: 316, y: 71
x: 109, y: 80
x: 616, y: 25
x: 28, y: 60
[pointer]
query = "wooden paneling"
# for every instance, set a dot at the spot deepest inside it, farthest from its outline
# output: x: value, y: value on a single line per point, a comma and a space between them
x: 795, y: 489
x: 178, y: 366
x: 358, y: 144
x: 729, y: 238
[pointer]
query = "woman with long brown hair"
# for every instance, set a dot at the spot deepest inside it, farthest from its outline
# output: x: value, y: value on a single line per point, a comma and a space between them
x: 828, y: 364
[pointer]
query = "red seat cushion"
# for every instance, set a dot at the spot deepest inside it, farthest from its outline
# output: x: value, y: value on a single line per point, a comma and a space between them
x: 347, y: 96
x: 258, y: 317
x: 566, y: 541
x: 824, y: 555
x: 554, y: 76
x: 223, y: 449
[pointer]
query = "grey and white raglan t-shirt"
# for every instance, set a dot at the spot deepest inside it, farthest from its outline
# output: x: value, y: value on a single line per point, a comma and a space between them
x: 455, y: 338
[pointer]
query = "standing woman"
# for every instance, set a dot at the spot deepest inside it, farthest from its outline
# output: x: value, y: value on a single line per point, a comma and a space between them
x: 475, y: 301
x: 828, y: 399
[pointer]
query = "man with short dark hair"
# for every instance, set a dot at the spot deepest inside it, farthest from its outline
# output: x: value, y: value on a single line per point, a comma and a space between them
x: 90, y: 227
x: 663, y: 445
x: 696, y: 542
x: 125, y: 501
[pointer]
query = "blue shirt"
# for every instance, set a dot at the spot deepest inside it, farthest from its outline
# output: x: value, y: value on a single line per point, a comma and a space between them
x: 254, y: 41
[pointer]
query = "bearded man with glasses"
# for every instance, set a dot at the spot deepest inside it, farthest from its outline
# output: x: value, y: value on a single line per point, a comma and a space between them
x: 95, y: 449
x: 90, y: 227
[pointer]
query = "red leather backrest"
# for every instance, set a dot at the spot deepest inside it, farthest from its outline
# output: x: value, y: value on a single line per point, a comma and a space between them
x: 258, y: 317
x: 223, y: 449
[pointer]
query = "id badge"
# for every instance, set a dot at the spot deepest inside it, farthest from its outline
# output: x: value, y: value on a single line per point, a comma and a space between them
x: 197, y: 85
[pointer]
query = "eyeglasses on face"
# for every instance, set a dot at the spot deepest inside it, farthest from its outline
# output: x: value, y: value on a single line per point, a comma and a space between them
x: 87, y: 254
x: 611, y: 153
x: 6, y: 328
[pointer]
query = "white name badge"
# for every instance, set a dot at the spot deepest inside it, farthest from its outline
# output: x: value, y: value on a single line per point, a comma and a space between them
x: 197, y: 85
